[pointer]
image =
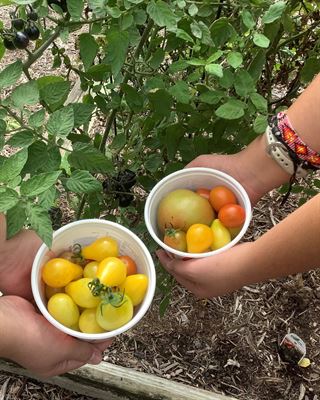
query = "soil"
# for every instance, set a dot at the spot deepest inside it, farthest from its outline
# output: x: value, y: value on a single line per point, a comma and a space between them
x: 228, y: 344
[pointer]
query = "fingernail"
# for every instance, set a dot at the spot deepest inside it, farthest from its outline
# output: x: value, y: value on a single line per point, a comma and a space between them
x: 96, y: 357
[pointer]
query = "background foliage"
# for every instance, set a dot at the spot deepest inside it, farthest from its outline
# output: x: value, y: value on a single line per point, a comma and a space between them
x: 171, y: 80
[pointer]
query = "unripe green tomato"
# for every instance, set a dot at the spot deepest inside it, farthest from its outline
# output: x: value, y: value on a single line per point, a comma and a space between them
x: 221, y: 235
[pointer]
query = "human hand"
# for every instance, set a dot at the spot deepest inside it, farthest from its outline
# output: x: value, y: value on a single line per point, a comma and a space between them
x: 211, y: 276
x: 28, y: 339
x: 17, y: 255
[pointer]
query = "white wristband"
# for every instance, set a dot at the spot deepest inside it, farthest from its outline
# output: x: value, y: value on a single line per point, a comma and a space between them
x: 280, y: 154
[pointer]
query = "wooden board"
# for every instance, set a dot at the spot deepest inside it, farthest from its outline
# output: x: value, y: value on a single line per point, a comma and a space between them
x: 110, y: 382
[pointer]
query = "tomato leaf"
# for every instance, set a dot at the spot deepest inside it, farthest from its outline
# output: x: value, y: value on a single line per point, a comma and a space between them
x: 82, y: 182
x: 40, y: 221
x: 16, y: 218
x: 39, y: 183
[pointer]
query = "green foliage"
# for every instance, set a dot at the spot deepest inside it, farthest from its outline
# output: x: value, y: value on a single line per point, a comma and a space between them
x: 170, y: 80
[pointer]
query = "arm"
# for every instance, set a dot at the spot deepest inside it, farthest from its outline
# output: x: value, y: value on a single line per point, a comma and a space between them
x: 291, y: 246
x: 252, y: 167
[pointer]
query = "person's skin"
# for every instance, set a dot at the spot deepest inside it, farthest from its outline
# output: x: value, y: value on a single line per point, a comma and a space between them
x: 26, y: 337
x: 291, y: 246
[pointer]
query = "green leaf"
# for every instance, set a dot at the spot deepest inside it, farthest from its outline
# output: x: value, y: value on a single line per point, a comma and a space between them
x: 261, y: 40
x: 114, y: 12
x: 25, y: 94
x: 16, y: 218
x: 98, y: 7
x: 86, y: 157
x: 257, y: 64
x: 193, y: 10
x: 247, y: 19
x: 196, y: 30
x: 162, y: 14
x: 47, y: 199
x: 235, y: 59
x: 211, y: 97
x: 40, y: 222
x: 117, y: 47
x: 37, y: 119
x: 157, y: 58
x: 161, y: 102
x: 181, y: 34
x: 153, y: 162
x: 88, y: 49
x: 83, y: 182
x: 133, y: 98
x: 10, y: 74
x: 310, y: 68
x: 232, y: 109
x: 260, y: 124
x: 55, y: 94
x: 61, y: 122
x: 10, y: 167
x: 21, y: 139
x: 75, y: 8
x: 82, y: 113
x: 214, y: 69
x: 259, y: 102
x: 39, y: 183
x: 8, y: 199
x: 243, y: 83
x: 221, y: 30
x: 181, y: 92
x: 274, y: 12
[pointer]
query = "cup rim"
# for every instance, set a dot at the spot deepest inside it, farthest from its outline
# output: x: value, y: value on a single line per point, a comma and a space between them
x: 220, y: 174
x: 36, y: 267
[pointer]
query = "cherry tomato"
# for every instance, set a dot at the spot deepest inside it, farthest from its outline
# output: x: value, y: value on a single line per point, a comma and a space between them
x: 81, y: 294
x: 63, y: 309
x: 199, y: 238
x: 221, y: 235
x: 176, y: 239
x: 232, y: 215
x: 135, y: 286
x: 90, y: 270
x: 221, y: 195
x: 50, y: 291
x: 130, y: 263
x: 100, y: 249
x: 110, y: 316
x: 203, y: 192
x: 88, y: 322
x: 58, y: 272
x: 112, y: 271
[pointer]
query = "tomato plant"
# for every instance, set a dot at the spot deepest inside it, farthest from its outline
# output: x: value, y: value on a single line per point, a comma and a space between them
x: 232, y: 215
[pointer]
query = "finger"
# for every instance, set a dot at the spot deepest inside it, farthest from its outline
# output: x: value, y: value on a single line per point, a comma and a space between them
x: 101, y: 346
x: 198, y: 162
x: 3, y: 228
x: 173, y: 265
x: 68, y: 365
x: 84, y: 352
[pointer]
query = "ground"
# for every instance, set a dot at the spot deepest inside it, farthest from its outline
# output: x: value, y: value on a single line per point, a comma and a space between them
x: 227, y: 345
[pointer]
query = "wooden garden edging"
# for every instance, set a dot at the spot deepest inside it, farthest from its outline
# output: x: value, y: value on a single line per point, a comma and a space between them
x: 110, y: 382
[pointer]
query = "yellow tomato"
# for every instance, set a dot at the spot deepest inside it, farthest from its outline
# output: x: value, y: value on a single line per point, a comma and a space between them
x: 81, y: 294
x: 111, y: 317
x: 199, y: 238
x: 112, y: 271
x: 90, y: 270
x: 100, y: 249
x: 135, y: 286
x: 88, y: 322
x: 63, y: 309
x: 58, y: 272
x: 221, y: 235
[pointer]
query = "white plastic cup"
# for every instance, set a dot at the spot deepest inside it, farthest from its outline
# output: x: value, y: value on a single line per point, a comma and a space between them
x: 193, y: 178
x: 85, y: 232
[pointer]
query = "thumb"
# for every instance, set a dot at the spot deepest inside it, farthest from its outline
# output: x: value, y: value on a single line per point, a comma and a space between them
x: 84, y: 352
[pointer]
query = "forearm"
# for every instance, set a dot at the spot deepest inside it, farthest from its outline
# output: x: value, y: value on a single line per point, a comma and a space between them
x: 290, y: 247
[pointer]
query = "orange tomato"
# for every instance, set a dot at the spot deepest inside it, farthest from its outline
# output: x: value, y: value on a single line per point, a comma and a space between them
x: 130, y: 263
x: 232, y: 215
x: 199, y: 238
x: 203, y: 192
x: 176, y: 239
x: 220, y: 196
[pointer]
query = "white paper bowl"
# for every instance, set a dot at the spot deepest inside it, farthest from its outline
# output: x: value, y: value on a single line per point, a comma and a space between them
x: 85, y: 232
x: 193, y: 178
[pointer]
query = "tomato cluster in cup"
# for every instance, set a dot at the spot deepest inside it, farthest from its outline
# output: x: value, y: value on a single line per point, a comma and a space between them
x: 211, y: 232
x: 93, y: 289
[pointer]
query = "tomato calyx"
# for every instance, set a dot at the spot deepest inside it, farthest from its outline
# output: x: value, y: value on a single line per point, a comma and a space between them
x: 171, y: 232
x: 106, y: 293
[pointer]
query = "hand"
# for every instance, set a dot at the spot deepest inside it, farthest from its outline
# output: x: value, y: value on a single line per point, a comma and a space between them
x: 211, y: 276
x: 17, y: 255
x: 28, y: 339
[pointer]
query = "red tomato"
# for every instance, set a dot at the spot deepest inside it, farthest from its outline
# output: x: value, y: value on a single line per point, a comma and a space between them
x: 232, y: 215
x: 220, y: 196
x: 203, y: 192
x: 131, y: 265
